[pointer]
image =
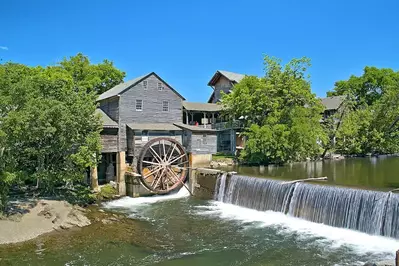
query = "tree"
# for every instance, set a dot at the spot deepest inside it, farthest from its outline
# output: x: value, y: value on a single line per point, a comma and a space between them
x: 49, y: 131
x: 281, y: 113
x: 98, y: 78
x: 372, y: 126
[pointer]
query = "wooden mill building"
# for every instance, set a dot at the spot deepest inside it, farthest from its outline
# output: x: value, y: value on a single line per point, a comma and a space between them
x: 147, y: 107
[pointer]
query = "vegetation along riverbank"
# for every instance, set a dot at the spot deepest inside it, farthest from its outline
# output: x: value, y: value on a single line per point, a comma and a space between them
x: 50, y: 133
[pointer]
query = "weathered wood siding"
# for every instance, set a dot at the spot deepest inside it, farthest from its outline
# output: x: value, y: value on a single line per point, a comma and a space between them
x: 136, y: 143
x: 109, y: 140
x: 111, y: 108
x: 152, y: 106
x: 223, y: 84
x: 201, y: 142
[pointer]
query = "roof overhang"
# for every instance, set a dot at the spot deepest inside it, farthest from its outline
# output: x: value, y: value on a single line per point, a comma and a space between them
x: 154, y: 127
x: 202, y: 107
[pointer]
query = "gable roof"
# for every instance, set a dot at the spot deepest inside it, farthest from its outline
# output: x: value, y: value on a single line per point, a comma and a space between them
x: 333, y: 102
x: 203, y: 107
x: 106, y: 120
x: 233, y: 77
x: 124, y: 86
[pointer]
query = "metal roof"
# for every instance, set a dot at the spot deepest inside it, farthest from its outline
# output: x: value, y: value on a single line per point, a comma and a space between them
x: 194, y: 128
x: 121, y: 88
x: 154, y: 126
x: 202, y: 107
x: 332, y: 103
x: 233, y: 77
x: 106, y: 120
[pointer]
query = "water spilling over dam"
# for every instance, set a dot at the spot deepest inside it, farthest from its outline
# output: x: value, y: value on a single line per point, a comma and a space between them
x: 371, y: 212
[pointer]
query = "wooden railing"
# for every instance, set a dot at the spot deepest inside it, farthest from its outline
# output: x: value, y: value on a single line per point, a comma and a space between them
x: 236, y: 124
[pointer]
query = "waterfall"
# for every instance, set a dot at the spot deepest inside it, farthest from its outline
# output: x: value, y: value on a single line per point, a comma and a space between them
x: 371, y: 212
x: 220, y: 187
x: 257, y: 193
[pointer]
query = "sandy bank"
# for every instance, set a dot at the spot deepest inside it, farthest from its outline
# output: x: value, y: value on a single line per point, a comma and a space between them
x: 41, y: 217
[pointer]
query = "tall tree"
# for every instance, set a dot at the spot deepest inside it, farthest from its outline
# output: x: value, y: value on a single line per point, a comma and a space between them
x: 281, y: 113
x: 48, y: 127
x: 373, y: 125
x: 92, y: 77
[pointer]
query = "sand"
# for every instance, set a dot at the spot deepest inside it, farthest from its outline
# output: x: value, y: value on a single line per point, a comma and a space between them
x: 41, y: 217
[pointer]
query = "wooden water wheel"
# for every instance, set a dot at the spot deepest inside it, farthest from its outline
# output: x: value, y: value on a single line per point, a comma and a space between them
x: 162, y: 164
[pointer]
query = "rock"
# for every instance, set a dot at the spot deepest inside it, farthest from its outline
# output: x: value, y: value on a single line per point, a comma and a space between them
x: 46, y: 212
x: 106, y: 221
x: 214, y: 164
x: 113, y: 184
x: 78, y: 219
x: 80, y: 209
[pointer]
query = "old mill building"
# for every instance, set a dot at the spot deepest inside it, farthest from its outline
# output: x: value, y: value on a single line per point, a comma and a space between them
x: 147, y: 107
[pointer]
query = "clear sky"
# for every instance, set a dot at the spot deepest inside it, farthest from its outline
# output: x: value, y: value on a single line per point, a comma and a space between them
x: 185, y: 42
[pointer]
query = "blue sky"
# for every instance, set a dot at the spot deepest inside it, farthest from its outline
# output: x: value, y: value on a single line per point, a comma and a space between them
x: 185, y: 42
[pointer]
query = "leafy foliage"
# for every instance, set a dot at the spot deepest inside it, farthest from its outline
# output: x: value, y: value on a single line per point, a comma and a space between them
x: 372, y: 125
x: 49, y: 131
x: 281, y: 113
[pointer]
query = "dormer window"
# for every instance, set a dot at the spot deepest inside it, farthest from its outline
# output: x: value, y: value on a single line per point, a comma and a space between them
x: 160, y: 86
x: 145, y: 83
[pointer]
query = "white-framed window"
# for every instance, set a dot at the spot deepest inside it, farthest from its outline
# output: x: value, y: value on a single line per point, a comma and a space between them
x: 139, y: 105
x: 165, y: 106
x: 160, y: 86
x: 145, y: 84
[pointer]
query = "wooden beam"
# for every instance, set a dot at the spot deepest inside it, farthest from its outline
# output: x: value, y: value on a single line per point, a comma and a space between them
x: 324, y: 178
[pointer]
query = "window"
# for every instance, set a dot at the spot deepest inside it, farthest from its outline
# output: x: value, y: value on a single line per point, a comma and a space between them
x: 160, y: 86
x: 139, y: 105
x: 145, y: 84
x: 204, y: 139
x: 165, y: 106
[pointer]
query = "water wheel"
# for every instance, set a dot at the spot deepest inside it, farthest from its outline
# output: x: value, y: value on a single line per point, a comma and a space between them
x: 162, y: 164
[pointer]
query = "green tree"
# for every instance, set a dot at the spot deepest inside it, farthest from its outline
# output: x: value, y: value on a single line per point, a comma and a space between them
x: 372, y: 125
x: 92, y: 77
x: 281, y: 113
x: 49, y: 133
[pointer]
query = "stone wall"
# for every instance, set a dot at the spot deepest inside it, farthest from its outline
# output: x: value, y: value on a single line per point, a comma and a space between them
x: 203, y: 182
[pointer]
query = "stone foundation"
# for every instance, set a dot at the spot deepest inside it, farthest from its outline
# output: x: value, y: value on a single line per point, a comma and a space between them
x: 203, y: 182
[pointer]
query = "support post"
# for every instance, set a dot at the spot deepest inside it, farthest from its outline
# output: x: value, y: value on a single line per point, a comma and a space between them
x: 187, y: 122
x: 94, y: 179
x: 397, y: 258
x: 204, y: 120
x: 213, y: 119
x: 192, y: 117
x: 120, y: 173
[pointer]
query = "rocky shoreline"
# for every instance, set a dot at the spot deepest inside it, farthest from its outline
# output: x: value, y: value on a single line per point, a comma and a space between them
x: 37, y: 217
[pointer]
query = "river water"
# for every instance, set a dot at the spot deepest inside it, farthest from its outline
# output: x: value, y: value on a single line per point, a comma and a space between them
x: 179, y: 230
x: 380, y: 173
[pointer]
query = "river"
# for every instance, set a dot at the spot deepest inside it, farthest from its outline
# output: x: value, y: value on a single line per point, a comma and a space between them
x: 179, y: 230
x: 380, y: 173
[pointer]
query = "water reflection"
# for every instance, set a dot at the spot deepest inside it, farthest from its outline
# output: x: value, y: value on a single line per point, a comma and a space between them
x: 373, y: 172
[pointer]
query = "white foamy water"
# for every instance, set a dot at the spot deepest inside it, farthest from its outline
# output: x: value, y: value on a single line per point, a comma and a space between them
x: 128, y: 202
x: 333, y: 237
